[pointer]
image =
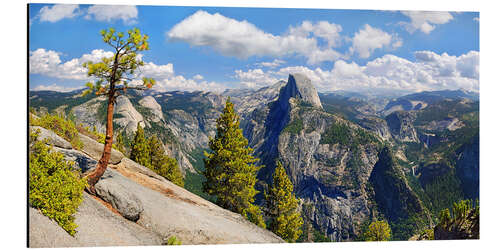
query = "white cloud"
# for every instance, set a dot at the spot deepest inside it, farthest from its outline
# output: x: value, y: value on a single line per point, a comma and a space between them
x: 108, y: 13
x: 425, y: 21
x: 157, y: 71
x: 181, y: 83
x: 254, y: 78
x: 275, y: 63
x: 55, y: 87
x: 242, y: 39
x: 368, y: 39
x: 390, y: 73
x: 58, y: 12
x: 466, y: 65
x: 323, y: 29
x: 48, y: 63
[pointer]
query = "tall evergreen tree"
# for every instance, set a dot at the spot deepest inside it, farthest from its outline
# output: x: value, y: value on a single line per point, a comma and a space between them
x: 120, y: 143
x: 282, y: 207
x: 230, y: 168
x: 162, y: 164
x: 139, y: 148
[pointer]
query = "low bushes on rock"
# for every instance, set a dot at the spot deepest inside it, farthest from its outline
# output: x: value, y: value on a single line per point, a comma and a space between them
x: 61, y: 126
x: 53, y: 186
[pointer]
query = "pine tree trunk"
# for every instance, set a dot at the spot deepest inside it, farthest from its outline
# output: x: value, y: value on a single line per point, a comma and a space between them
x: 95, y: 175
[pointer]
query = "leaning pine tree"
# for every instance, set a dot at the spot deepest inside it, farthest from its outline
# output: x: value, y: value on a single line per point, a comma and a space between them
x: 282, y: 206
x: 230, y: 168
x: 112, y: 76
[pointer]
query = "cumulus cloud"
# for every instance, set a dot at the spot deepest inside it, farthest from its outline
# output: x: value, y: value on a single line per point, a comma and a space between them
x: 323, y: 29
x: 49, y: 63
x: 108, y: 13
x: 58, y: 12
x: 242, y: 39
x: 254, y: 78
x: 55, y: 87
x: 368, y: 39
x: 179, y: 82
x: 425, y: 21
x: 430, y: 71
x: 275, y: 63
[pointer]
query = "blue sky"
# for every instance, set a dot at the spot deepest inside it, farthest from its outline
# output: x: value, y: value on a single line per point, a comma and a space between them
x: 202, y: 48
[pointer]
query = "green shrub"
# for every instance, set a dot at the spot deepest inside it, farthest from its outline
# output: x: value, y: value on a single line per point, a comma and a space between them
x: 61, y: 126
x: 294, y: 127
x: 174, y: 241
x: 53, y: 186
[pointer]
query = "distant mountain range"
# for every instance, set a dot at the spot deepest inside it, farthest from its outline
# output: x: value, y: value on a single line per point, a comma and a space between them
x: 351, y: 157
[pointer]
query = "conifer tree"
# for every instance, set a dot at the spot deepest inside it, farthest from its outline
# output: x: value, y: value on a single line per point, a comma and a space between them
x: 112, y: 76
x: 139, y: 149
x: 230, y: 168
x: 378, y: 231
x: 282, y: 207
x: 162, y: 164
x: 120, y: 143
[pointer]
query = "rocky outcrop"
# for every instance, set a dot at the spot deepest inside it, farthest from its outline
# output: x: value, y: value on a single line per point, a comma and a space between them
x: 247, y: 100
x: 150, y: 103
x: 129, y: 192
x: 301, y: 88
x: 329, y: 179
x: 44, y: 232
x: 83, y: 163
x: 94, y: 149
x: 51, y: 137
x: 86, y: 113
x: 97, y: 226
x: 127, y: 116
x: 401, y: 126
x: 113, y: 188
x: 378, y: 126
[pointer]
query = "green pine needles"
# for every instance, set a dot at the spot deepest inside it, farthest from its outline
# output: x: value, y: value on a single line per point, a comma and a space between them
x: 282, y: 207
x: 378, y: 230
x: 150, y: 153
x: 54, y: 188
x: 61, y: 126
x: 230, y: 168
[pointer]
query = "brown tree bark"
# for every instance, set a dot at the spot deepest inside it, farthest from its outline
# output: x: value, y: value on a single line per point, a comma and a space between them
x: 96, y: 174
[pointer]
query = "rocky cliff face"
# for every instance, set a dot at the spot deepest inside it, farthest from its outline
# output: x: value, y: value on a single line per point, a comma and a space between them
x: 395, y: 199
x: 300, y: 88
x: 329, y: 178
x: 467, y: 166
x: 378, y: 126
x: 401, y: 126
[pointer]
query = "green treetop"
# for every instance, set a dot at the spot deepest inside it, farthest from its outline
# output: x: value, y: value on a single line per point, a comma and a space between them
x: 139, y: 148
x: 162, y: 164
x: 282, y: 207
x: 230, y: 168
x: 150, y: 153
x: 112, y: 76
x: 378, y: 231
